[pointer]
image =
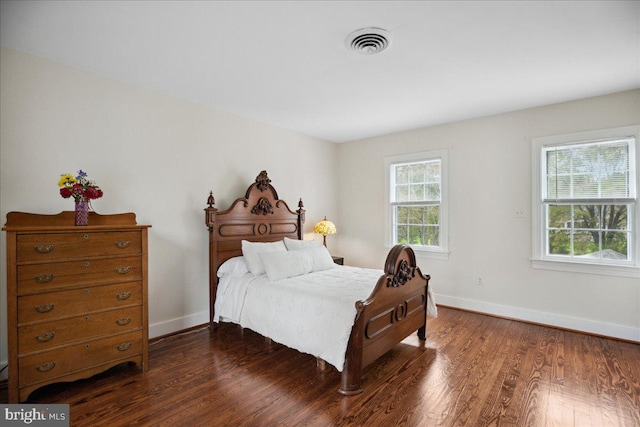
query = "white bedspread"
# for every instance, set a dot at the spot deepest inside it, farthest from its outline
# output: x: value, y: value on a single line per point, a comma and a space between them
x: 312, y: 313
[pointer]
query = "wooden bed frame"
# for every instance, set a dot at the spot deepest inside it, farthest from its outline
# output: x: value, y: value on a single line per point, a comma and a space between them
x: 395, y: 309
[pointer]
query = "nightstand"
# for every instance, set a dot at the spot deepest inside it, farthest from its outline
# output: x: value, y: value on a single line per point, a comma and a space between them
x: 338, y: 260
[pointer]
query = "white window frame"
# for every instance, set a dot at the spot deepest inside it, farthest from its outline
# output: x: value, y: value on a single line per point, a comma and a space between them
x: 627, y: 268
x: 434, y: 252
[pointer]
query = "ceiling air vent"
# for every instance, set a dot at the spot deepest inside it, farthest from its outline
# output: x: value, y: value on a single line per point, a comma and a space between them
x: 368, y: 41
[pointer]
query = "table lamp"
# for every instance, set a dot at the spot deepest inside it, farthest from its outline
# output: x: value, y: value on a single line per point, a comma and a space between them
x: 324, y: 227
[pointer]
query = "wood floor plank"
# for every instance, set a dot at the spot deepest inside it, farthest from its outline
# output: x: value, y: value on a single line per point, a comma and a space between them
x: 500, y: 395
x: 473, y: 370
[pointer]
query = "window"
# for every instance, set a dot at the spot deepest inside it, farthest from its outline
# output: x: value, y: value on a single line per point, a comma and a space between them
x: 586, y: 200
x: 416, y: 213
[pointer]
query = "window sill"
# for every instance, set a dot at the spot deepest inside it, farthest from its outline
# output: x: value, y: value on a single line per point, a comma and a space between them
x: 430, y: 253
x: 423, y: 252
x: 577, y: 267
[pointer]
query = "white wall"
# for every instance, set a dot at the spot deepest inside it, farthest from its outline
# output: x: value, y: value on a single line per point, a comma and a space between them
x: 490, y: 178
x: 152, y: 154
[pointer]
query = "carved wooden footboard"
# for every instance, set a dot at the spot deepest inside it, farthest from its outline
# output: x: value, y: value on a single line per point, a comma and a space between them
x: 395, y: 309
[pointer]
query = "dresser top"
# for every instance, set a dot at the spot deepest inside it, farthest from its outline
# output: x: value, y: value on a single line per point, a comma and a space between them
x: 31, y: 221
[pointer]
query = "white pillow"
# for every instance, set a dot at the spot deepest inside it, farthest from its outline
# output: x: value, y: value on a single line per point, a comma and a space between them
x: 282, y: 265
x: 293, y: 244
x: 235, y: 265
x: 320, y: 258
x: 250, y: 251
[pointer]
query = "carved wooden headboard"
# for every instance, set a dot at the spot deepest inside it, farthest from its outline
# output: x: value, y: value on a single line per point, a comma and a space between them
x: 259, y: 216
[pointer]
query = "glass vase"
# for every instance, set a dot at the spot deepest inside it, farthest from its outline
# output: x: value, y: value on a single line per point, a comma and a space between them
x: 82, y: 212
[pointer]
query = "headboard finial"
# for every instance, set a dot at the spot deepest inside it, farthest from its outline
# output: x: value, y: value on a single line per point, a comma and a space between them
x: 300, y: 213
x: 210, y: 200
x: 263, y: 181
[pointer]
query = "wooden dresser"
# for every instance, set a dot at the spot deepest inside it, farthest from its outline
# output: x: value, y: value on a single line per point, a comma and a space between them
x: 76, y: 297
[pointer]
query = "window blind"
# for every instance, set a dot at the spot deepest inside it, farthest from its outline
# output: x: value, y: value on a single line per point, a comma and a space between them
x: 599, y: 171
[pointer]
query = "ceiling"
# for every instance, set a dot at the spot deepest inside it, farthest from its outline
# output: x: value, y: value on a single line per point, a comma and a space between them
x: 287, y: 63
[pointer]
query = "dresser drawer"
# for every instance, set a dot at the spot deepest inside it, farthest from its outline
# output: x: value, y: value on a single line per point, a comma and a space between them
x: 51, y: 276
x: 51, y: 334
x: 56, y: 246
x: 54, y: 305
x: 62, y: 361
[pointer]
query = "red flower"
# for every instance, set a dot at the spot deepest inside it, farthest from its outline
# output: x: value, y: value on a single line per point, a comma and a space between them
x: 65, y: 192
x: 92, y: 193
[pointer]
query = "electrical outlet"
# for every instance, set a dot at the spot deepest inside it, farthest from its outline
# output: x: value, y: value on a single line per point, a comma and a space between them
x: 479, y: 282
x: 518, y: 213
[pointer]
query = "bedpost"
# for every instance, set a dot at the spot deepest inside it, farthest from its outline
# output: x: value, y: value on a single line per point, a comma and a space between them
x: 422, y: 332
x: 351, y: 378
x: 300, y: 212
x: 210, y: 219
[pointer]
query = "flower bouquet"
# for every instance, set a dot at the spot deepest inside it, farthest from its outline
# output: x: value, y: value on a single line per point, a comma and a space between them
x: 82, y: 190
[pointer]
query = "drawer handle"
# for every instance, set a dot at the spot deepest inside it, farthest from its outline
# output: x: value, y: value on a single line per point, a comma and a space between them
x: 44, y: 308
x: 123, y: 244
x: 44, y: 278
x: 123, y: 321
x: 44, y: 249
x: 123, y: 270
x: 47, y: 336
x: 46, y: 367
x: 123, y: 295
x: 124, y: 346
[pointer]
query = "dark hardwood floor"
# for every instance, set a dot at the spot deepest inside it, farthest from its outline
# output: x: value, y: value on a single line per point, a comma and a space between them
x: 473, y: 370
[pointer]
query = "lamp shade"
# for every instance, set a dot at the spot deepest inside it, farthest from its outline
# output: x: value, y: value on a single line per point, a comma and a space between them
x: 325, y: 227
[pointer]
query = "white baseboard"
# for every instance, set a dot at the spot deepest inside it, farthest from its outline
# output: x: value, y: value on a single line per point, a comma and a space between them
x: 178, y: 324
x: 583, y: 325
